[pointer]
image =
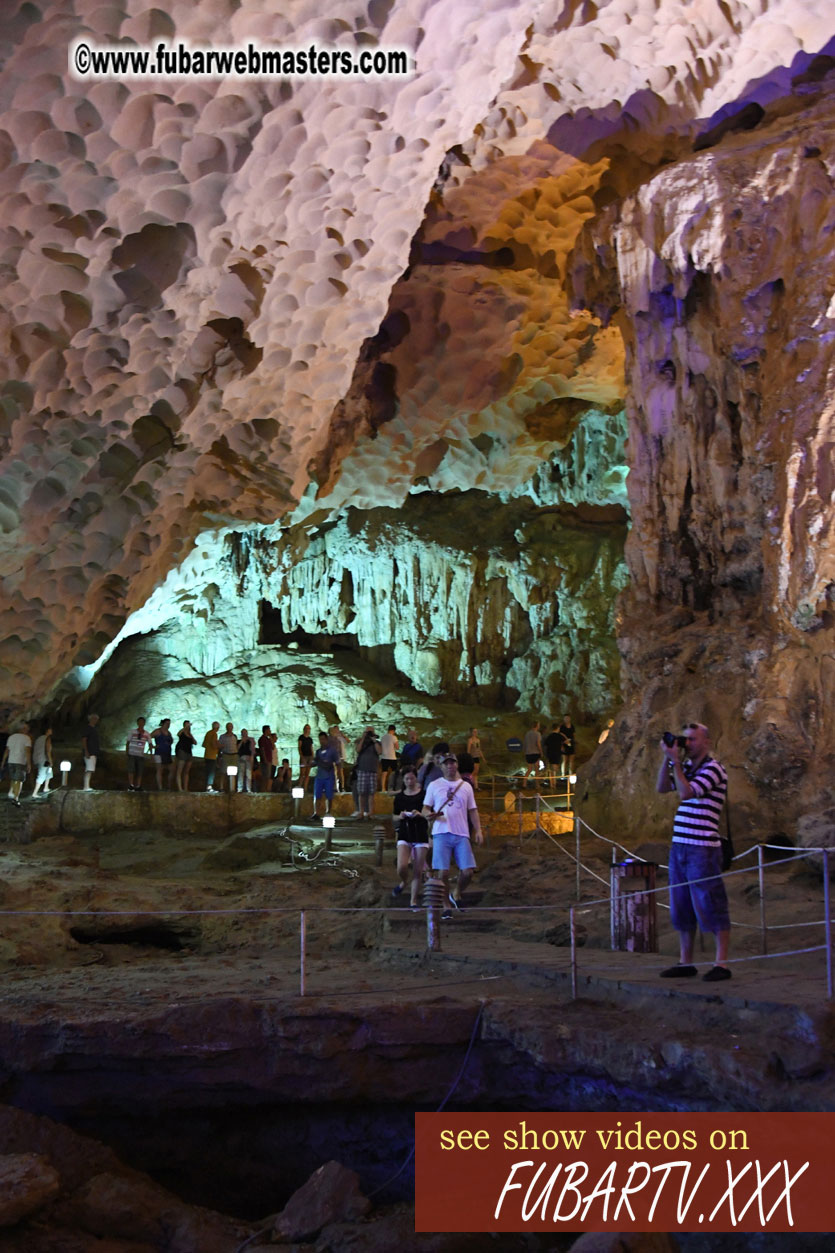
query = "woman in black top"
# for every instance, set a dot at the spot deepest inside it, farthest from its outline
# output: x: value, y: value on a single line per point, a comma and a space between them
x: 305, y: 755
x: 163, y: 742
x: 182, y: 755
x: 568, y: 745
x: 412, y: 835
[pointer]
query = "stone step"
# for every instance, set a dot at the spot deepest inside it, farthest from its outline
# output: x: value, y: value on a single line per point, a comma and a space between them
x: 14, y: 819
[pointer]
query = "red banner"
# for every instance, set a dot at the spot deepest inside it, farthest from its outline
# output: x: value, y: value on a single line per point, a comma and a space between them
x: 624, y: 1172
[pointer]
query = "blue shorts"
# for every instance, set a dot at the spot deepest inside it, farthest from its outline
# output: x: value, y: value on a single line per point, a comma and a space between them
x: 446, y: 846
x: 323, y: 786
x: 702, y: 904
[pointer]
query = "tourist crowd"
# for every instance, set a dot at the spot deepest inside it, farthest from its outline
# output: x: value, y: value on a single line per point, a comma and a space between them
x: 237, y: 761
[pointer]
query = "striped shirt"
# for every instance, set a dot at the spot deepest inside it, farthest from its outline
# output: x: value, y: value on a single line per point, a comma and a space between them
x: 697, y: 819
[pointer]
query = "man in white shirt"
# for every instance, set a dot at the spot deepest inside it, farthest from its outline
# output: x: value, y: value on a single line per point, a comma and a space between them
x: 18, y: 754
x: 450, y: 800
x: 136, y: 747
x: 389, y: 746
x: 228, y: 748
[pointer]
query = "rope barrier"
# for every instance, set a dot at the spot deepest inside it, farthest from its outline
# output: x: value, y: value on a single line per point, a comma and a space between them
x: 587, y: 869
x: 615, y: 843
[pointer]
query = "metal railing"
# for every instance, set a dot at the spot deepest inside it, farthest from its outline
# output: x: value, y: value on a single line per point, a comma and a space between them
x: 323, y: 856
x: 517, y: 782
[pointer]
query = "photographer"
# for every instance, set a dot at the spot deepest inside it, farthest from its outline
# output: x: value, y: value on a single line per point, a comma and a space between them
x: 696, y: 851
x: 368, y: 764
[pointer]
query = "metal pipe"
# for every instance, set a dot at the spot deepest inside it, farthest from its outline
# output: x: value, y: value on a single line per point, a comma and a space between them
x: 827, y: 923
x: 301, y: 953
x: 577, y: 852
x: 573, y: 931
x: 761, y: 873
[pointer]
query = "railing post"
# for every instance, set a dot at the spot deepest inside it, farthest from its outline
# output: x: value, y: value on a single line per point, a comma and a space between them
x: 301, y: 953
x: 827, y: 924
x: 537, y: 823
x: 761, y: 873
x: 577, y: 852
x: 520, y: 819
x: 434, y: 897
x: 573, y: 930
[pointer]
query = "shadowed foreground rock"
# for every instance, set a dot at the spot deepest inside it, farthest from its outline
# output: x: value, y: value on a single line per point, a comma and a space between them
x: 332, y: 1193
x: 62, y: 1191
x: 27, y: 1182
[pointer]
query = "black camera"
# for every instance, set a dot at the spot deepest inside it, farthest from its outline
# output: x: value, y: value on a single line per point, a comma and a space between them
x: 670, y: 739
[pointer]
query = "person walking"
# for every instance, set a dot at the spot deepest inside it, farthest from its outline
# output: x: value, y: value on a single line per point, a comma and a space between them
x: 412, y: 835
x: 42, y: 761
x: 569, y: 746
x: 553, y: 754
x: 450, y: 805
x: 17, y: 755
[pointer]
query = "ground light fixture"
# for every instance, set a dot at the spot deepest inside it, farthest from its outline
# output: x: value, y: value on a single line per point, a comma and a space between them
x: 65, y: 772
x: 328, y: 822
x: 297, y: 794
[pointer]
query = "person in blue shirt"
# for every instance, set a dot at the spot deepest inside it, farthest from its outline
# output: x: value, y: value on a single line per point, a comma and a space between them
x: 326, y: 759
x: 411, y: 754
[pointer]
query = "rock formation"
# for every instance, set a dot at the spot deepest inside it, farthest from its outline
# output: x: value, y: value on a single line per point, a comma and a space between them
x: 728, y: 317
x: 257, y: 333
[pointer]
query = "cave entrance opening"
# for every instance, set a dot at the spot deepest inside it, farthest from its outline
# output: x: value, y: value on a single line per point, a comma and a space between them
x: 272, y: 631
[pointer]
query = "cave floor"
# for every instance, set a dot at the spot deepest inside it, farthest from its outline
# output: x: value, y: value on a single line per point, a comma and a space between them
x: 152, y: 999
x: 103, y: 924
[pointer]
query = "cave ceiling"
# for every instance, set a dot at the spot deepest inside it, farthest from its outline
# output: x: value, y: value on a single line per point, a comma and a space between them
x: 243, y: 303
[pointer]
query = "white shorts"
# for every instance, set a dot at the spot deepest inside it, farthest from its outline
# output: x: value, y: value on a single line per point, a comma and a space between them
x: 89, y: 764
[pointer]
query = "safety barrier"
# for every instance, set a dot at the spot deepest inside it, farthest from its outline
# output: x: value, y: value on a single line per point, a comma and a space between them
x: 517, y: 782
x: 323, y: 856
x: 760, y: 849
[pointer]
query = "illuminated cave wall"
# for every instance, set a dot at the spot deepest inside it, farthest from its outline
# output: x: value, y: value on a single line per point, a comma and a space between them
x: 449, y: 603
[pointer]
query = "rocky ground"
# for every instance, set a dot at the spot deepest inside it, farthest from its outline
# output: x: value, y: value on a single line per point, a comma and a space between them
x: 152, y: 1000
